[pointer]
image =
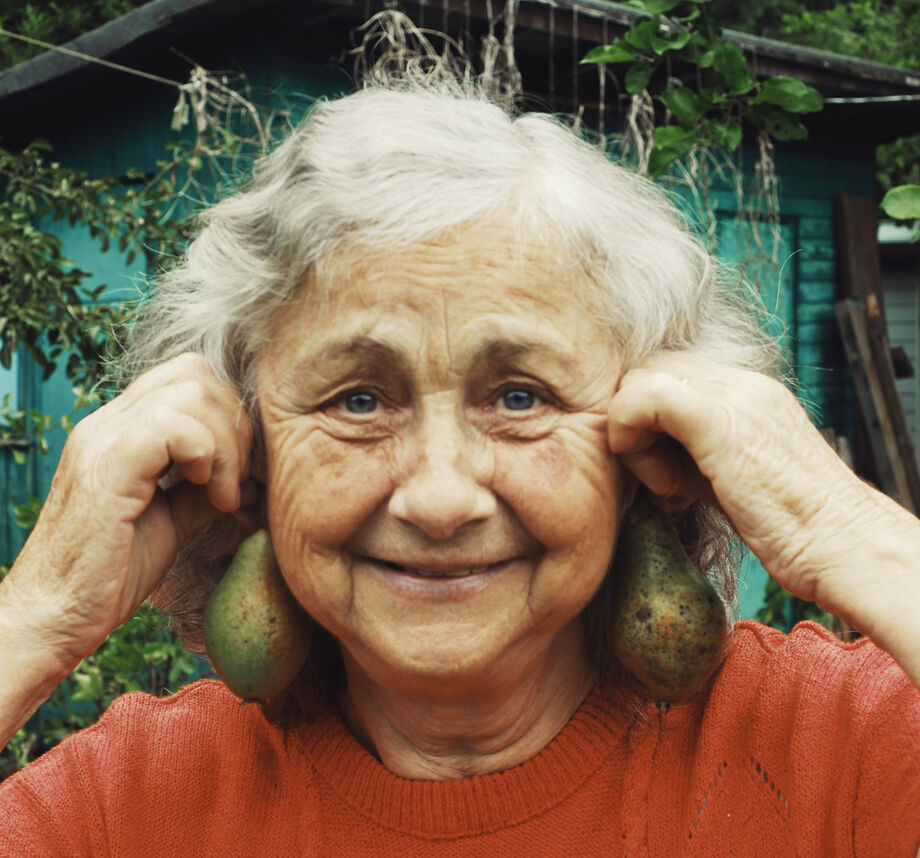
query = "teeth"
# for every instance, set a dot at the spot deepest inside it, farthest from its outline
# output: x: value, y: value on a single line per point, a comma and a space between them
x: 456, y: 573
x: 435, y: 573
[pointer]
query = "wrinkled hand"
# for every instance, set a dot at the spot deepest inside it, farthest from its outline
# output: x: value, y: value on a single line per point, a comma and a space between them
x: 108, y: 533
x: 684, y: 425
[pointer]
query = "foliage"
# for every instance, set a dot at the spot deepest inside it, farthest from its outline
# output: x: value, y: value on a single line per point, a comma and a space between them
x: 886, y: 31
x: 141, y: 655
x: 898, y: 163
x: 51, y: 316
x: 783, y: 610
x: 53, y: 22
x: 45, y: 307
x: 710, y: 104
x: 903, y: 203
x: 762, y: 17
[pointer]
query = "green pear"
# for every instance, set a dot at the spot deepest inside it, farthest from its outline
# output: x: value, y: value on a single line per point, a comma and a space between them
x: 670, y: 626
x: 256, y: 634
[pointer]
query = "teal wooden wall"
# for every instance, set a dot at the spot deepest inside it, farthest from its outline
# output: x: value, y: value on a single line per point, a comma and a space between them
x: 799, y: 290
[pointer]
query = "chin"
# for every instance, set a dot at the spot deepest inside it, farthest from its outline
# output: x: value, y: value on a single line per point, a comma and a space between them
x: 447, y: 661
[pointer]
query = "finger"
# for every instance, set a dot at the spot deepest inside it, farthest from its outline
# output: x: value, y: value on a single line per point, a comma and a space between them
x: 174, y: 375
x: 180, y: 368
x: 136, y: 456
x: 226, y: 462
x: 651, y: 401
x: 667, y: 470
x: 656, y: 463
x: 191, y: 508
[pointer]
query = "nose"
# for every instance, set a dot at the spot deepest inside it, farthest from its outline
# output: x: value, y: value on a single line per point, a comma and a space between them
x: 445, y: 480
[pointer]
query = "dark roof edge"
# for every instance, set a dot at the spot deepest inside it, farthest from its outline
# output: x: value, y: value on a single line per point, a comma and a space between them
x: 159, y: 14
x: 101, y: 42
x: 757, y: 46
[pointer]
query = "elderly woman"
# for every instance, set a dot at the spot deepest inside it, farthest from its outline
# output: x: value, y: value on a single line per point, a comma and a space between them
x: 442, y: 346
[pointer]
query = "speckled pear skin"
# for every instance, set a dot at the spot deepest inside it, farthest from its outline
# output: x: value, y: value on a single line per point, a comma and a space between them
x: 670, y: 626
x: 256, y: 634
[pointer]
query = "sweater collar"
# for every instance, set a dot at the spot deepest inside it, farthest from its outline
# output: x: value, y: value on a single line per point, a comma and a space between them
x: 469, y: 805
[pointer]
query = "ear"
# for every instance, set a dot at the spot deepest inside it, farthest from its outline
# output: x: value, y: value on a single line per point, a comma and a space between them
x: 258, y: 468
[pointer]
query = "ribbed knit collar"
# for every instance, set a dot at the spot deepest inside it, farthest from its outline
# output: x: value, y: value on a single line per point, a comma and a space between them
x: 470, y: 805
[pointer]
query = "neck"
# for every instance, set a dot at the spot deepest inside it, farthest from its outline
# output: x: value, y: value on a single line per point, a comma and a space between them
x: 475, y: 727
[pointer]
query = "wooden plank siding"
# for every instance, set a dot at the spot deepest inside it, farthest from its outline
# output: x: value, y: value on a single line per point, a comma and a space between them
x: 902, y: 304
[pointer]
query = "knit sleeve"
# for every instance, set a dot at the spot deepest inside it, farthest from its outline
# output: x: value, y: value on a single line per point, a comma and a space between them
x: 888, y: 789
x: 196, y: 772
x: 47, y: 809
x: 832, y: 730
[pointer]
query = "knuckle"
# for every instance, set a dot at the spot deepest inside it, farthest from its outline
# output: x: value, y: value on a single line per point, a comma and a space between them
x: 192, y: 363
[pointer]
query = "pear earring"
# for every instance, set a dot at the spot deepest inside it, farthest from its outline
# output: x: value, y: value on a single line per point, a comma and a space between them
x: 255, y: 632
x: 670, y: 627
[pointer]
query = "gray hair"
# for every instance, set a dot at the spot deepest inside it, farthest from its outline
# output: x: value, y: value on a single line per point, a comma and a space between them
x: 410, y: 158
x: 385, y: 168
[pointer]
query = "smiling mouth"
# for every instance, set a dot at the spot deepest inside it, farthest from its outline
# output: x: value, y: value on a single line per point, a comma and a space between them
x: 455, y: 572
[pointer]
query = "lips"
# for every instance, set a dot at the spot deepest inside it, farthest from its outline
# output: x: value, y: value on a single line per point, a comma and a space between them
x: 436, y: 570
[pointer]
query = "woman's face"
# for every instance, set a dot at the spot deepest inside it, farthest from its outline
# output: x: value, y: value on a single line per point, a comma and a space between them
x: 441, y: 496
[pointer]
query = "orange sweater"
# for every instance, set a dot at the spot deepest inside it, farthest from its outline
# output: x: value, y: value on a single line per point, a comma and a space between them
x: 804, y: 746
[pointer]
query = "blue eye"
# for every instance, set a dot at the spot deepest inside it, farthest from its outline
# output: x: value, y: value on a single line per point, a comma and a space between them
x: 360, y: 402
x: 518, y: 400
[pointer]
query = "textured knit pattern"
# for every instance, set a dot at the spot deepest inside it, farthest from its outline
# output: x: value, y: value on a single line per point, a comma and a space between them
x: 804, y: 746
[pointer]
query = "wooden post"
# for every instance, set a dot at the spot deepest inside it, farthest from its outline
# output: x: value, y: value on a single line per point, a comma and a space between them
x: 861, y: 319
x: 880, y: 404
x: 857, y: 251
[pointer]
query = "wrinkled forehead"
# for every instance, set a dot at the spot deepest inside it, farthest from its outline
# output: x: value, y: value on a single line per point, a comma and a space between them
x: 484, y: 264
x: 466, y: 300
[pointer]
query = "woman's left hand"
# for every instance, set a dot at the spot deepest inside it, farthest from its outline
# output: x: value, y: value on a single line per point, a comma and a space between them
x: 684, y: 425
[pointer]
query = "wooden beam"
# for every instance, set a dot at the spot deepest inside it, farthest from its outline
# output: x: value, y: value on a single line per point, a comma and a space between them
x: 869, y: 357
x: 856, y: 220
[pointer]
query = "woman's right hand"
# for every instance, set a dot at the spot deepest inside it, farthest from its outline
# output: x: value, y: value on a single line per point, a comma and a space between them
x: 108, y: 533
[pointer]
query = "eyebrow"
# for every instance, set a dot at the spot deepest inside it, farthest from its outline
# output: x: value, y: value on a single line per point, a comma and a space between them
x: 504, y: 352
x: 364, y: 350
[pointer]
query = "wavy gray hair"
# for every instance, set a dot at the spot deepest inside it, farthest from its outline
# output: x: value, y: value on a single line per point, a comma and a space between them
x: 411, y: 156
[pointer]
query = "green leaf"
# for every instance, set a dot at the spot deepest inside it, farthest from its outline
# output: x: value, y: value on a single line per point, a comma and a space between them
x: 675, y: 43
x: 616, y: 52
x: 89, y: 684
x: 637, y: 77
x: 684, y: 103
x: 784, y: 126
x: 902, y: 202
x: 25, y: 515
x: 671, y: 143
x: 729, y: 62
x: 725, y: 135
x: 640, y: 35
x: 742, y: 84
x: 656, y: 7
x: 789, y: 93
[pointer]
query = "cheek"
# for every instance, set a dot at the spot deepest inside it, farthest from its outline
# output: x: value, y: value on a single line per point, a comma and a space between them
x: 321, y: 489
x: 566, y: 495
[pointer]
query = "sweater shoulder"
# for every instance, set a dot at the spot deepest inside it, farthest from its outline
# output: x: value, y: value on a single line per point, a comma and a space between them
x: 811, y: 650
x: 827, y: 702
x: 197, y: 757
